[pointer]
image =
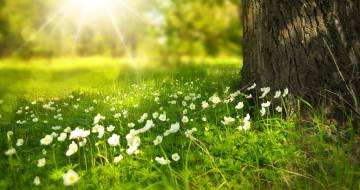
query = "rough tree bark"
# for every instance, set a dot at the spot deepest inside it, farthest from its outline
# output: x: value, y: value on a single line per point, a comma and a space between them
x: 307, y: 45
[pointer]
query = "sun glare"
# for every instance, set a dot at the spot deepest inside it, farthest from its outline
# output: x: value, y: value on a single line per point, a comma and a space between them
x: 91, y: 5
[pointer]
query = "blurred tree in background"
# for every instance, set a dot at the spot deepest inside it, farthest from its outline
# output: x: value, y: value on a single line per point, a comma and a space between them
x: 163, y: 28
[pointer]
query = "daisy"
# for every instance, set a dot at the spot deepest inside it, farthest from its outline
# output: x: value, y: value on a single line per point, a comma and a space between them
x: 118, y: 158
x: 228, y: 120
x: 20, y: 142
x: 70, y: 178
x: 46, y: 140
x: 41, y: 162
x: 175, y: 157
x: 246, y: 122
x: 185, y: 119
x: 239, y: 106
x: 114, y: 140
x: 10, y: 152
x: 158, y: 140
x: 162, y: 161
x: 251, y: 87
x: 73, y: 148
x: 37, y: 181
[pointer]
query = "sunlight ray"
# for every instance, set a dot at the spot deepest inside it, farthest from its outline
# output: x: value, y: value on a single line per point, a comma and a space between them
x: 59, y: 13
x: 80, y: 25
x: 118, y: 32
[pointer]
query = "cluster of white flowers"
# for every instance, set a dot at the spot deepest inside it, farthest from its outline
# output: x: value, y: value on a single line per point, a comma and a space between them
x: 79, y: 133
x: 133, y: 142
x: 162, y: 161
x: 246, y: 123
x: 228, y: 120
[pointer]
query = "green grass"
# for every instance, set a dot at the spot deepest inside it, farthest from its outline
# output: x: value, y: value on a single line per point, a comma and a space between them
x: 279, y: 151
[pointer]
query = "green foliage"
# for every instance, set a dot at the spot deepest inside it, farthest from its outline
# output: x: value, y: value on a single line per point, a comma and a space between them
x: 153, y: 28
x: 279, y: 151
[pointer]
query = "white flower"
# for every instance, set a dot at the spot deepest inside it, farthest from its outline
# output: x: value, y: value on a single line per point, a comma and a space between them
x: 162, y: 161
x: 118, y: 158
x: 143, y: 117
x: 204, y: 104
x: 266, y: 104
x: 133, y: 141
x: 185, y: 111
x: 46, y: 140
x: 132, y: 150
x: 67, y: 130
x: 149, y: 124
x: 62, y: 137
x: 155, y: 115
x: 41, y: 162
x: 97, y: 119
x: 70, y: 178
x: 239, y: 106
x: 44, y: 152
x: 99, y: 129
x: 117, y: 115
x: 192, y: 106
x: 215, y: 99
x: 251, y: 87
x: 172, y: 102
x: 263, y: 111
x: 131, y: 125
x: 204, y: 119
x: 9, y: 134
x: 114, y: 140
x: 54, y: 134
x: 79, y: 133
x: 37, y: 181
x: 175, y: 157
x: 278, y: 109
x: 56, y: 128
x: 73, y: 148
x: 162, y: 117
x: 158, y: 140
x: 35, y: 120
x: 228, y: 120
x: 277, y: 94
x: 188, y: 133
x: 173, y: 129
x: 286, y: 92
x: 83, y: 142
x: 184, y: 103
x: 20, y: 142
x: 247, y: 123
x: 248, y: 96
x: 185, y: 119
x: 265, y: 91
x: 10, y: 152
x: 157, y: 99
x: 111, y: 128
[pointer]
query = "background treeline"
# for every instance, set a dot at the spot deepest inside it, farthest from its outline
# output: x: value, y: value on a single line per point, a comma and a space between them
x: 38, y: 28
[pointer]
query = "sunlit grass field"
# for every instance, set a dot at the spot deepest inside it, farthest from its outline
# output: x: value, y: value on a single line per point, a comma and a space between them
x: 106, y: 124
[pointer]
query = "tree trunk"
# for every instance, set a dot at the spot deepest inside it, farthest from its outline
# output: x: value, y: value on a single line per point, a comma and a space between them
x: 306, y: 45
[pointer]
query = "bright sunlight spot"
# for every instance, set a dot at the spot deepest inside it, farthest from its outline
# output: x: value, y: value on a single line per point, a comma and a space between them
x: 93, y: 7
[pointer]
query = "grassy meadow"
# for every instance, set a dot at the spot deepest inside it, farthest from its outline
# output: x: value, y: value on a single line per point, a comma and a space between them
x: 107, y: 124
